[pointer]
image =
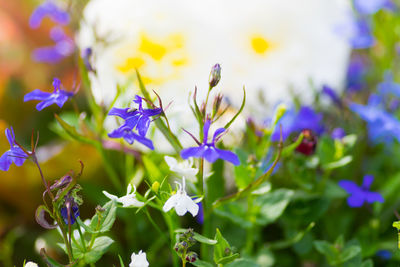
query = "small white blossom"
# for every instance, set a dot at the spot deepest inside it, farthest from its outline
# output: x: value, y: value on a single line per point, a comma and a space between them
x: 181, y: 202
x: 139, y: 260
x: 30, y: 264
x: 183, y: 168
x: 129, y: 200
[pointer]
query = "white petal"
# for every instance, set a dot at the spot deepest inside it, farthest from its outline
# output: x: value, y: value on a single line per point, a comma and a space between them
x: 139, y: 260
x: 171, y: 202
x: 130, y: 201
x: 192, y: 207
x: 110, y: 196
x: 129, y: 189
x: 172, y: 162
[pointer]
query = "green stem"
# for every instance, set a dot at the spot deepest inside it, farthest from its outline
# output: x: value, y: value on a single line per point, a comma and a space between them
x: 204, y: 249
x: 82, y: 238
x: 250, y: 230
x: 208, y: 94
x: 109, y: 169
x: 171, y: 229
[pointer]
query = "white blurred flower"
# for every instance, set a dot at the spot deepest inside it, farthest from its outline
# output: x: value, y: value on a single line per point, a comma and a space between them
x: 129, y: 200
x: 139, y: 260
x: 273, y: 47
x: 182, y: 168
x: 181, y: 202
x: 31, y: 264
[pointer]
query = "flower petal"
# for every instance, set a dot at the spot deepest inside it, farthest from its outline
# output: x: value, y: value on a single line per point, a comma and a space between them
x: 356, y: 200
x: 5, y: 161
x: 171, y: 202
x: 206, y: 127
x: 349, y: 186
x: 192, y: 152
x: 374, y: 197
x: 143, y: 125
x: 45, y: 103
x: 217, y: 133
x: 120, y: 112
x: 110, y: 196
x: 367, y: 181
x: 36, y: 95
x: 171, y: 161
x: 210, y: 153
x: 228, y: 156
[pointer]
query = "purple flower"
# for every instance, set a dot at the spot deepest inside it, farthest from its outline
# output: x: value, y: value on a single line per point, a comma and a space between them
x: 58, y: 96
x: 384, y: 254
x: 360, y: 194
x: 86, y: 55
x: 200, y: 215
x: 64, y: 46
x: 357, y: 32
x: 74, y: 213
x: 372, y: 6
x: 356, y: 72
x: 338, y: 133
x: 51, y: 10
x: 138, y: 119
x: 291, y: 122
x: 208, y: 150
x: 14, y: 154
x: 382, y: 126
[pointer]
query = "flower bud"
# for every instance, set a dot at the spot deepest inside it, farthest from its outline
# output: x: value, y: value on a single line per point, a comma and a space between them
x: 308, y: 144
x: 215, y: 76
x: 155, y: 186
x: 279, y: 112
x: 191, y: 256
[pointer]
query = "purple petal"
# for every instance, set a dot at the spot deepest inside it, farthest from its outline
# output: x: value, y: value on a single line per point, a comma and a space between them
x: 144, y: 141
x: 5, y: 161
x: 194, y: 152
x: 62, y: 97
x: 17, y: 155
x: 143, y: 125
x: 206, y: 127
x: 56, y: 84
x: 349, y: 186
x: 356, y: 200
x: 36, y: 95
x: 48, y: 54
x: 217, y: 133
x: 151, y: 112
x: 48, y: 9
x: 137, y: 100
x: 132, y: 121
x: 45, y: 103
x: 120, y: 112
x: 210, y: 153
x: 367, y: 181
x: 228, y: 156
x: 372, y: 197
x: 10, y: 136
x: 338, y: 133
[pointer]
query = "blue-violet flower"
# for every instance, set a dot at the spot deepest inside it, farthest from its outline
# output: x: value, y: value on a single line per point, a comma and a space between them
x: 58, y: 96
x: 14, y: 154
x: 360, y: 194
x: 208, y: 150
x: 51, y: 10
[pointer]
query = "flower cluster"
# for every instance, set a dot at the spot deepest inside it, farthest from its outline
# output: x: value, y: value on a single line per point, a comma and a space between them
x: 135, y: 119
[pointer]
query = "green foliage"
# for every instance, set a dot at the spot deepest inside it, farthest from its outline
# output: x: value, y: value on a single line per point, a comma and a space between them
x: 223, y: 253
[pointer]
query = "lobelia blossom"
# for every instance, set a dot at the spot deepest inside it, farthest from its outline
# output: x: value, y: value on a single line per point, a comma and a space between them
x: 360, y: 194
x: 129, y: 200
x: 58, y: 96
x: 139, y: 260
x: 305, y: 119
x: 138, y: 119
x: 14, y: 154
x: 181, y: 202
x: 357, y: 32
x: 338, y: 133
x: 208, y: 150
x: 73, y: 215
x: 356, y: 72
x: 332, y: 95
x: 182, y: 168
x: 382, y: 126
x: 51, y: 10
x: 389, y: 86
x: 64, y: 46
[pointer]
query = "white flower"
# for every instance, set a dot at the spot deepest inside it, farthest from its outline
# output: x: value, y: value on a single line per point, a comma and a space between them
x: 273, y: 47
x: 30, y: 264
x: 129, y: 200
x: 183, y: 168
x: 181, y: 202
x: 139, y: 260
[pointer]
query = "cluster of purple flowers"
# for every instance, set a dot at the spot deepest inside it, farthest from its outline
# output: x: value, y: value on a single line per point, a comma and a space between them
x: 63, y: 45
x: 135, y: 119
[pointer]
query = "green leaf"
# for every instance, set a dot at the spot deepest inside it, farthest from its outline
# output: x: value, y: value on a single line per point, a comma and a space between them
x: 107, y: 218
x: 349, y: 253
x: 100, y: 246
x: 85, y: 227
x: 240, y: 110
x: 272, y: 205
x: 200, y: 263
x: 71, y: 131
x: 152, y: 169
x: 235, y: 212
x: 40, y: 217
x: 121, y: 262
x: 327, y: 250
x: 222, y: 250
x: 288, y: 150
x: 368, y: 263
x: 242, y: 263
x: 339, y: 163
